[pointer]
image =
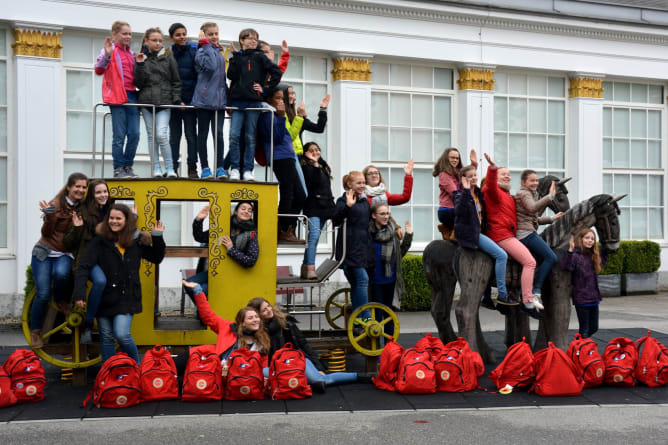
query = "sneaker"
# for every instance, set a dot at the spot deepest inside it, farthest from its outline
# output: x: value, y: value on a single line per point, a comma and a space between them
x: 157, y: 173
x: 171, y: 173
x: 120, y: 172
x: 234, y: 174
x: 504, y: 300
x: 248, y: 176
x: 537, y: 302
x: 529, y: 305
x: 86, y: 337
x: 130, y: 173
x: 221, y: 173
x: 206, y: 173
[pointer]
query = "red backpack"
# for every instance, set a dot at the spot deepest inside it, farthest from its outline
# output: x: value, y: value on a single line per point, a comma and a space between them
x: 202, y: 380
x: 26, y: 372
x: 158, y: 377
x: 245, y: 380
x: 620, y: 357
x: 415, y: 374
x: 389, y: 363
x: 584, y: 354
x: 458, y: 367
x: 517, y: 370
x: 556, y: 374
x: 116, y: 384
x: 652, y: 367
x: 287, y: 379
x: 431, y: 344
x: 7, y: 397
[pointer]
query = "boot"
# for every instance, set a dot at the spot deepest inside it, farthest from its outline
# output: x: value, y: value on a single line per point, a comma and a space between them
x: 308, y: 272
x: 289, y: 236
x: 445, y: 231
x: 192, y: 171
x: 36, y: 339
x: 304, y: 272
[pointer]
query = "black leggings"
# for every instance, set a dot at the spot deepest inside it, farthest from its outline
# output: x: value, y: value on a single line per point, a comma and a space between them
x: 292, y: 196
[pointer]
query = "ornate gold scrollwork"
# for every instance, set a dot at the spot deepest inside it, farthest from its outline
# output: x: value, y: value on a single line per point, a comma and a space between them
x: 348, y: 68
x: 33, y: 42
x: 215, y: 231
x: 585, y: 87
x: 476, y: 79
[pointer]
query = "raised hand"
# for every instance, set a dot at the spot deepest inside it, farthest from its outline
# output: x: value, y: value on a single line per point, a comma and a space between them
x: 557, y: 216
x: 233, y: 48
x: 489, y: 160
x: 571, y: 244
x: 226, y: 241
x: 324, y: 103
x: 408, y: 168
x: 284, y: 47
x: 203, y: 213
x: 202, y: 36
x: 43, y: 205
x: 466, y: 182
x: 257, y: 88
x: 159, y: 226
x: 301, y: 109
x: 473, y: 157
x: 77, y: 220
x: 80, y: 304
x: 140, y: 57
x: 553, y: 188
x: 351, y: 199
x: 409, y: 227
x: 107, y: 46
x: 134, y: 210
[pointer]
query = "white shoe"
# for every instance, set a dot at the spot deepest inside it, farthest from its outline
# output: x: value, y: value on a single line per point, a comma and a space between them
x: 234, y: 174
x: 248, y: 176
x: 529, y: 306
x: 538, y: 302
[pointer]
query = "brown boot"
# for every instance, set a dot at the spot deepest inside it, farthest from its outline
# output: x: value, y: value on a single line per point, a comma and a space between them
x: 288, y: 237
x: 310, y: 273
x: 192, y: 171
x: 445, y: 231
x: 36, y: 339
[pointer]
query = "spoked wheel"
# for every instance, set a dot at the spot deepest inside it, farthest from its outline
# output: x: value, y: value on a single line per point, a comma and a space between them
x: 365, y: 335
x: 67, y: 327
x: 335, y: 308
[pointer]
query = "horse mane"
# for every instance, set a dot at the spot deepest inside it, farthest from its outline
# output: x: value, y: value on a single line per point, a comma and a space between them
x: 561, y: 228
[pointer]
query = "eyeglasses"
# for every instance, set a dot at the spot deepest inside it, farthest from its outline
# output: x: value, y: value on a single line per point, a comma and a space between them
x: 383, y: 213
x: 373, y: 173
x: 454, y: 157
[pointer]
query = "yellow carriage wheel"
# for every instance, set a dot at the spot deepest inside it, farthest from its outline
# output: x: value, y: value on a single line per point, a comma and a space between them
x: 72, y: 324
x: 336, y: 306
x: 371, y: 329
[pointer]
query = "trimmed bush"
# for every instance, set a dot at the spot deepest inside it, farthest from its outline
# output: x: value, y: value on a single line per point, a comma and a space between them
x: 417, y: 295
x: 615, y: 264
x: 641, y: 256
x: 30, y: 282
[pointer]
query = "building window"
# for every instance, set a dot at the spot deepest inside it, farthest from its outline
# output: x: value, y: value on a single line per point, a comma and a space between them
x: 411, y: 117
x: 4, y: 158
x: 529, y: 124
x: 632, y: 156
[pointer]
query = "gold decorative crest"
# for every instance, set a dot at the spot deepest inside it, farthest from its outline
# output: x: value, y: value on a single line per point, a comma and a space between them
x: 475, y: 79
x: 347, y: 68
x: 586, y: 87
x: 121, y: 192
x: 244, y: 194
x: 215, y: 231
x: 33, y: 42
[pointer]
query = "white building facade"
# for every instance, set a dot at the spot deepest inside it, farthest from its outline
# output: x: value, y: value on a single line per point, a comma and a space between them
x: 570, y: 88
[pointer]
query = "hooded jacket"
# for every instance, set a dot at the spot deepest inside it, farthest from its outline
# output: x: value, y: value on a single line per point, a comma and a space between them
x: 185, y: 60
x: 158, y: 79
x: 248, y: 67
x: 211, y: 89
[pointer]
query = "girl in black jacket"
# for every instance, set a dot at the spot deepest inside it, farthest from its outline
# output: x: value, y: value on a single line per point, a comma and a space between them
x: 282, y: 329
x: 119, y: 252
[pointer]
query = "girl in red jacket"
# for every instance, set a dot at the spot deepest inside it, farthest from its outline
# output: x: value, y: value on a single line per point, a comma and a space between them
x: 502, y: 227
x: 375, y: 186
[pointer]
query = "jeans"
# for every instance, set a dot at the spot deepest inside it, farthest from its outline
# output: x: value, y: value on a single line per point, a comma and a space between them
x: 315, y: 226
x: 206, y: 118
x: 51, y: 271
x: 125, y: 123
x: 588, y: 319
x: 161, y: 137
x: 384, y: 294
x: 189, y: 119
x: 201, y: 278
x: 99, y: 281
x: 500, y: 258
x: 335, y: 378
x: 541, y: 251
x: 446, y: 216
x: 359, y: 287
x: 117, y: 328
x: 243, y: 122
x: 292, y: 197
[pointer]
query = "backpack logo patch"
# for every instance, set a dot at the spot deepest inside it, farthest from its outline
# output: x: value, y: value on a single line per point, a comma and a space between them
x: 618, y: 378
x: 201, y: 384
x: 158, y: 383
x: 31, y: 390
x: 121, y: 400
x: 293, y: 383
x: 599, y: 372
x: 245, y: 390
x: 445, y: 375
x: 419, y: 374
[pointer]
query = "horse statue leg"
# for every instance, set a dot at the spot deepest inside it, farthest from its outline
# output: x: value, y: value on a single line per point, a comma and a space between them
x: 473, y: 269
x: 437, y: 263
x: 517, y: 324
x: 557, y: 301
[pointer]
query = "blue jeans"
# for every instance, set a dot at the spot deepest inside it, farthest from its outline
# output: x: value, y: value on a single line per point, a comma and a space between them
x: 51, y: 271
x: 206, y: 118
x: 446, y: 216
x: 588, y: 319
x: 384, y: 294
x: 335, y: 378
x: 500, y: 258
x: 315, y: 226
x: 302, y: 181
x: 359, y: 287
x: 99, y: 281
x: 202, y: 278
x: 541, y: 252
x: 125, y: 123
x: 189, y: 120
x: 161, y: 137
x: 117, y: 328
x: 243, y: 121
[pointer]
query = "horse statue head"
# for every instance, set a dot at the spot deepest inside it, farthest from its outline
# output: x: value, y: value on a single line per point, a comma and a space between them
x: 560, y: 202
x: 607, y: 212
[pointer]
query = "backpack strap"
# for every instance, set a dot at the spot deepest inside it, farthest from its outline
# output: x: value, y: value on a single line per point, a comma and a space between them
x: 577, y: 336
x: 85, y: 402
x: 638, y: 343
x: 546, y: 364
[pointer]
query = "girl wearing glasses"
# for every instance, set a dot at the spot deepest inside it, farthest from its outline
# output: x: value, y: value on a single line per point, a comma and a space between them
x: 375, y: 186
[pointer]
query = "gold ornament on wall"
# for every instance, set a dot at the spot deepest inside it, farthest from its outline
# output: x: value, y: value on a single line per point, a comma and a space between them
x: 586, y: 87
x: 347, y: 68
x: 33, y: 42
x: 475, y: 79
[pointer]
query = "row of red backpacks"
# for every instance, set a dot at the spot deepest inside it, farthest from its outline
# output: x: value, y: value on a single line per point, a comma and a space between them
x: 431, y: 366
x: 22, y: 378
x: 121, y: 383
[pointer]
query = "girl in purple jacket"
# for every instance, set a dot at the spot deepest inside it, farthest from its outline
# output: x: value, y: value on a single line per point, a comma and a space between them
x: 584, y: 263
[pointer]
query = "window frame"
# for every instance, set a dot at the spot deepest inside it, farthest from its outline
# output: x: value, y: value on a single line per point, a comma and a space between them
x: 9, y: 153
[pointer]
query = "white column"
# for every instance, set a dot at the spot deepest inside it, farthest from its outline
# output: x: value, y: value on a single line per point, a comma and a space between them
x: 584, y: 153
x: 475, y: 113
x: 39, y: 138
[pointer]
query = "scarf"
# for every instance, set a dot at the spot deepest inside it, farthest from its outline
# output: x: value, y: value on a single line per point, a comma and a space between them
x: 388, y: 252
x: 240, y: 232
x: 377, y: 193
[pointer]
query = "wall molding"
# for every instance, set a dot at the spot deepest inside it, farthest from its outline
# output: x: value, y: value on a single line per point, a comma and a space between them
x: 476, y: 79
x: 36, y: 42
x: 352, y: 68
x: 586, y: 87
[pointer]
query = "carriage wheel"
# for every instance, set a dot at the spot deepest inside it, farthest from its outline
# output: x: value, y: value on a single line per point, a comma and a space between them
x: 368, y: 341
x: 335, y: 307
x: 63, y: 355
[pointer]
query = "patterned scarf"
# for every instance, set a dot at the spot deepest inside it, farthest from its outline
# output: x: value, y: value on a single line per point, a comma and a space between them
x: 240, y: 232
x: 388, y: 252
x: 377, y: 193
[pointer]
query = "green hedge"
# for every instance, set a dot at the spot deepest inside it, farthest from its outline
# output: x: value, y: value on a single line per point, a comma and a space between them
x: 417, y: 295
x: 30, y: 282
x: 615, y: 264
x: 641, y: 256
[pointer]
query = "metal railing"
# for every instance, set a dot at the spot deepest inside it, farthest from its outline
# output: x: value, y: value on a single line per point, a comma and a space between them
x: 268, y: 172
